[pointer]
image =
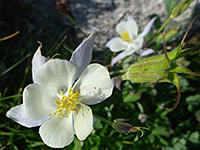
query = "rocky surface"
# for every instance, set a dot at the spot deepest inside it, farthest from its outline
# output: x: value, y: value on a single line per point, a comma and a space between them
x: 102, y: 16
x: 41, y: 17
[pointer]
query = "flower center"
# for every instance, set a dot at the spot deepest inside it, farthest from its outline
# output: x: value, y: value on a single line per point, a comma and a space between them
x: 67, y: 103
x: 125, y: 37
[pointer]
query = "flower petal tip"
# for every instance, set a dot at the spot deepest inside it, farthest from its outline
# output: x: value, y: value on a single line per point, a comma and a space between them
x: 117, y: 83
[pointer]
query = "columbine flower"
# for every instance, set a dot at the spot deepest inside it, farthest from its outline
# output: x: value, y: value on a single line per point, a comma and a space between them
x: 60, y: 94
x: 129, y: 41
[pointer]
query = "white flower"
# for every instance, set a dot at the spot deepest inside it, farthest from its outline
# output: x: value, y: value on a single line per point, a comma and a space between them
x: 129, y: 41
x: 59, y: 96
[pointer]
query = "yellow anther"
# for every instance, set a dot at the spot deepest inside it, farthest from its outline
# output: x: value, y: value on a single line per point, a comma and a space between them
x: 125, y: 37
x: 67, y: 103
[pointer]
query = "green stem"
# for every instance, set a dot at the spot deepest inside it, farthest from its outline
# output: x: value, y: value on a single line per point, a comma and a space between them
x: 118, y: 71
x: 74, y: 22
x: 9, y: 97
x: 55, y: 44
x: 160, y: 29
x: 103, y: 119
x: 13, y: 66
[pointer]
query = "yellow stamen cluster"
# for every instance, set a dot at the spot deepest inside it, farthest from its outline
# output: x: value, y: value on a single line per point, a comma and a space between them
x: 125, y: 37
x: 67, y: 103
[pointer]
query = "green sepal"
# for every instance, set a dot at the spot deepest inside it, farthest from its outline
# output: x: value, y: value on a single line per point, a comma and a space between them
x: 186, y: 51
x: 144, y: 76
x: 161, y: 64
x: 148, y: 70
x: 174, y: 79
x: 180, y: 69
x: 172, y: 56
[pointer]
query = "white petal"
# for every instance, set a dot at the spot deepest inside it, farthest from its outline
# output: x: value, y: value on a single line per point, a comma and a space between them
x: 139, y: 41
x: 57, y: 133
x: 132, y: 27
x: 131, y: 49
x: 116, y: 44
x: 120, y: 27
x: 148, y: 27
x: 147, y: 52
x: 118, y: 58
x: 137, y: 44
x: 56, y: 75
x: 83, y: 122
x: 94, y: 84
x: 17, y: 113
x: 37, y: 61
x: 82, y: 56
x: 38, y: 103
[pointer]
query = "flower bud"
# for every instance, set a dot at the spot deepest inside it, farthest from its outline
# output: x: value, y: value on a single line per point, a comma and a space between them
x: 123, y: 127
x: 180, y: 8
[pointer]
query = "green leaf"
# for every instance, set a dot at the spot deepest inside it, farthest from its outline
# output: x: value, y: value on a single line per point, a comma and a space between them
x: 194, y: 102
x: 77, y: 145
x: 36, y: 144
x: 98, y: 124
x: 180, y: 8
x: 160, y: 131
x: 168, y: 36
x: 162, y: 140
x: 131, y: 98
x: 151, y: 138
x: 170, y: 4
x: 194, y: 137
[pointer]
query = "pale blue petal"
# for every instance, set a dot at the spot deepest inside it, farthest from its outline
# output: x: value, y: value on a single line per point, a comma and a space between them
x: 117, y: 83
x: 82, y: 56
x: 37, y: 61
x: 147, y: 52
x: 17, y: 114
x: 118, y: 58
x: 148, y: 27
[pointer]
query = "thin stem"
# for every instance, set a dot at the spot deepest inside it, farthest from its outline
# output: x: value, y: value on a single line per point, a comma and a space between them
x: 57, y: 41
x: 103, y: 119
x: 13, y: 66
x: 74, y: 22
x: 9, y: 36
x: 160, y: 29
x: 9, y: 97
x: 118, y: 71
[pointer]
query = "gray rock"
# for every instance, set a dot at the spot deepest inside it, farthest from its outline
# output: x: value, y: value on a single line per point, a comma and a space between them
x: 103, y: 16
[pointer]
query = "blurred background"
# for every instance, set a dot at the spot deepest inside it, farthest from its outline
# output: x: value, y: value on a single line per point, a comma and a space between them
x: 61, y: 26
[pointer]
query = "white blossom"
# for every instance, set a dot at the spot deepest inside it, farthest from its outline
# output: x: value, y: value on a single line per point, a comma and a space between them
x: 58, y: 98
x: 129, y: 41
